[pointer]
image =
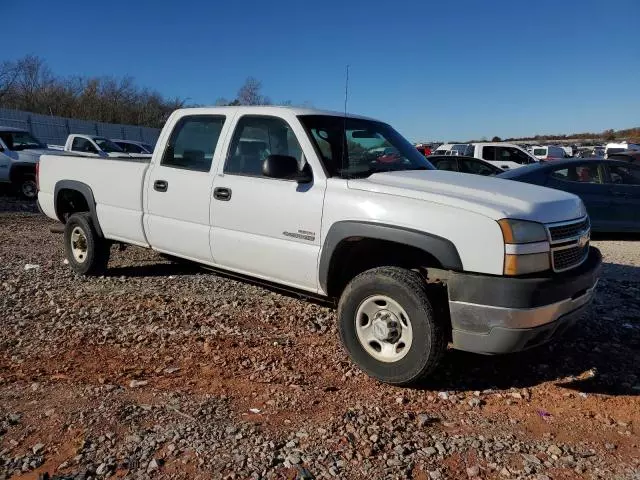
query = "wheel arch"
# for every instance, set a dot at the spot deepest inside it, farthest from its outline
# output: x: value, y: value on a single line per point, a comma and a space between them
x: 432, y: 250
x: 63, y: 189
x: 20, y: 169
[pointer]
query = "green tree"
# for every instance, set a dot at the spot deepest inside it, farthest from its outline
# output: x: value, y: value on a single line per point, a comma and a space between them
x: 496, y: 139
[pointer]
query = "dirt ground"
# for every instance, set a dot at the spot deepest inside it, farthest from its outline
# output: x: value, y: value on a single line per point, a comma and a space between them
x: 166, y: 370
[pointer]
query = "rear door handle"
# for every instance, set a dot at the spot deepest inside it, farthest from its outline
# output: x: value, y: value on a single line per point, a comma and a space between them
x: 222, y: 193
x: 160, y: 185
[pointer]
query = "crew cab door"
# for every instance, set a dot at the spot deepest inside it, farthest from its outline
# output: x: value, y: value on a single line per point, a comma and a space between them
x: 265, y: 227
x: 178, y: 188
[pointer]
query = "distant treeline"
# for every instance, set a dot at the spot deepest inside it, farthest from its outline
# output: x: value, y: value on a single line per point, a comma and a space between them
x: 29, y: 84
x: 632, y: 134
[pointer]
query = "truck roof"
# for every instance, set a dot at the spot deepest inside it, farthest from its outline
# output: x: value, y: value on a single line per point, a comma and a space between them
x: 267, y: 110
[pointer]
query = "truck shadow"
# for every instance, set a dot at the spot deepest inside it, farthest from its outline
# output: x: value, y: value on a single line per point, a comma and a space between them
x: 154, y: 270
x: 600, y: 354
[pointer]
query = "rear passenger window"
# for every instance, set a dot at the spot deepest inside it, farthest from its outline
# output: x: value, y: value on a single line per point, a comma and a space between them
x: 193, y: 142
x: 255, y: 139
x: 580, y: 174
x: 625, y: 175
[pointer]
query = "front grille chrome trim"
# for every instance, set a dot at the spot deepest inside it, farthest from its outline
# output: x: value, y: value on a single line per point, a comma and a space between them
x: 572, y: 241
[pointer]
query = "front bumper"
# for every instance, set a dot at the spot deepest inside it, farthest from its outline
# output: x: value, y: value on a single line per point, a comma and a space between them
x: 502, y: 314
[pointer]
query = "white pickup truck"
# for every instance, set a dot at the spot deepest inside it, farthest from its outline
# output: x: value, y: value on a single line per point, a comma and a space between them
x: 413, y: 257
x: 95, y: 146
x: 502, y: 155
x: 19, y: 153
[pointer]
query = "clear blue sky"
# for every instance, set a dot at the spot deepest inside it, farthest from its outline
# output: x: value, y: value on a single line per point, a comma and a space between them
x: 435, y: 70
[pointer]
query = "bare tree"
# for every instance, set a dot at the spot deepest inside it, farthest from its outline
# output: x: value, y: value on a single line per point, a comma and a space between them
x: 8, y: 75
x: 249, y: 93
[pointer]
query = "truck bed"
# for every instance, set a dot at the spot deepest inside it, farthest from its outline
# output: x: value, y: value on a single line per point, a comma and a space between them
x: 116, y: 185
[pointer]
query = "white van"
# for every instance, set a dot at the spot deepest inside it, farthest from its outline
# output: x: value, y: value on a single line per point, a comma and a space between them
x: 619, y: 147
x: 548, y: 152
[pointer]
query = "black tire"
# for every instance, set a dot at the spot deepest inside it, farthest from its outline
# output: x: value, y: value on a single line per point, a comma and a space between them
x: 95, y: 259
x: 27, y: 187
x: 409, y: 290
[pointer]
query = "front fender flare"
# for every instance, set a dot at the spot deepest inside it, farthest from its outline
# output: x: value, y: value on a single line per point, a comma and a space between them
x: 440, y: 248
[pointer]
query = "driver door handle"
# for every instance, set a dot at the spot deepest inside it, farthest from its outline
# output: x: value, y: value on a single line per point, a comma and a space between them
x: 160, y: 185
x: 222, y: 193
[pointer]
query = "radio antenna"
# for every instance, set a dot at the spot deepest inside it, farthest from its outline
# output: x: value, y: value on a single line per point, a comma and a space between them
x: 344, y: 133
x: 346, y: 92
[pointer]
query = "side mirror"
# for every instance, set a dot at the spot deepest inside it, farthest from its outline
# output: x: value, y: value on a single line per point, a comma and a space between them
x: 285, y: 167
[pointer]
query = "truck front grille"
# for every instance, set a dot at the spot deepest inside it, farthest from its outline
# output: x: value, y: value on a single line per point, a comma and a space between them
x: 569, y: 243
x: 569, y: 257
x: 571, y: 230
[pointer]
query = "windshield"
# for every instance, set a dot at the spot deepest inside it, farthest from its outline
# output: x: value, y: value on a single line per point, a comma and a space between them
x: 107, y: 145
x: 20, y: 140
x: 540, y: 151
x: 371, y: 146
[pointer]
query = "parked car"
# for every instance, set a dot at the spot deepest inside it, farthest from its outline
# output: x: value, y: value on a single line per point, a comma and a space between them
x: 612, y: 148
x: 610, y: 189
x: 424, y: 148
x: 19, y: 154
x: 456, y: 163
x: 133, y: 146
x: 568, y: 151
x: 627, y: 155
x: 500, y: 154
x: 93, y: 145
x: 548, y: 152
x: 321, y: 217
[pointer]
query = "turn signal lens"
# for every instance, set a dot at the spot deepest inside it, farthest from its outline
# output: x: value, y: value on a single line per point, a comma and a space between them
x: 524, y: 264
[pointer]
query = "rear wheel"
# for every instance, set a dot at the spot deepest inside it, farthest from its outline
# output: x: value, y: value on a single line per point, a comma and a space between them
x: 86, y: 251
x: 27, y: 187
x: 388, y: 326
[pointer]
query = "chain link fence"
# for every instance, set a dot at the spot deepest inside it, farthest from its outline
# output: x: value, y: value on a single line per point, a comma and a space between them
x: 54, y: 130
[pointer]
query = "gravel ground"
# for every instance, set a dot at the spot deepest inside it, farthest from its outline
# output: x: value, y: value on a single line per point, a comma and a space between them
x: 167, y: 371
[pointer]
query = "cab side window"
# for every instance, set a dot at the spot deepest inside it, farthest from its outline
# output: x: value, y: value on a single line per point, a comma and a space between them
x: 510, y: 154
x: 257, y: 137
x: 489, y: 153
x: 83, y: 145
x: 193, y: 143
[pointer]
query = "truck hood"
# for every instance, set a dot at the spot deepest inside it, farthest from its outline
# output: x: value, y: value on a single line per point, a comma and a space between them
x: 492, y: 197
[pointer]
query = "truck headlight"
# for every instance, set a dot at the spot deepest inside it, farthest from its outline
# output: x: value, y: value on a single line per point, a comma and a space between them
x: 521, y: 231
x: 526, y: 247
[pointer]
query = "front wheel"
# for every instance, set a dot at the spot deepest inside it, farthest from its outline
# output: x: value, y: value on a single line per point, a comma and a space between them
x: 388, y: 327
x: 86, y: 251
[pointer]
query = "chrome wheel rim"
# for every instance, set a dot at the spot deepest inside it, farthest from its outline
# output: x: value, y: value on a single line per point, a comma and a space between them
x: 384, y: 328
x: 79, y: 245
